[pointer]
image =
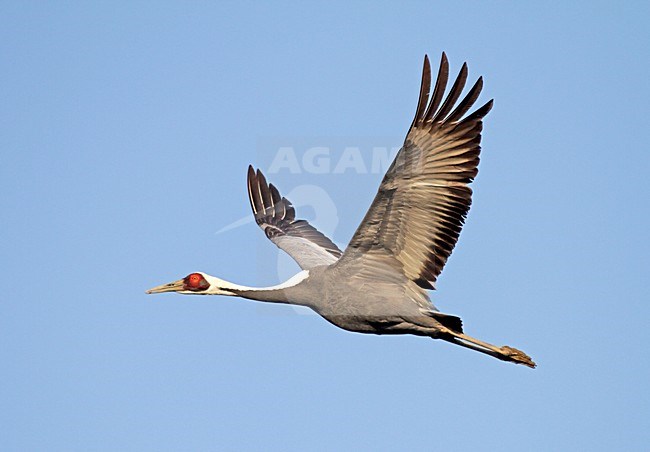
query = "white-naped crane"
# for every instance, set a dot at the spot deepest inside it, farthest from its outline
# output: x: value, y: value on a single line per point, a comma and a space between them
x: 379, y: 284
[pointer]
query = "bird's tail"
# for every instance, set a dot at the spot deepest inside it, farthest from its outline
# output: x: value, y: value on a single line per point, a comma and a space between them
x: 452, y: 322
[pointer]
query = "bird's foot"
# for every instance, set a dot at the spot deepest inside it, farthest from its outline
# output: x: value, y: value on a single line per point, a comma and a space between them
x: 517, y: 356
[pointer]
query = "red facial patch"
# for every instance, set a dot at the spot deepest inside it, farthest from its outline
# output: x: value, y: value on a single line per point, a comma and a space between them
x: 196, y: 282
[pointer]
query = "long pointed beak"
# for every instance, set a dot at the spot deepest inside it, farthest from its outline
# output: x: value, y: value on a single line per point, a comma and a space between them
x: 169, y: 287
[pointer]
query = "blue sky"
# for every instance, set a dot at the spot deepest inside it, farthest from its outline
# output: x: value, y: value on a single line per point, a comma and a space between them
x: 126, y: 131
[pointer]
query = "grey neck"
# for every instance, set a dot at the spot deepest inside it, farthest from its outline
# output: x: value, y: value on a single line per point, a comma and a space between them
x: 269, y: 295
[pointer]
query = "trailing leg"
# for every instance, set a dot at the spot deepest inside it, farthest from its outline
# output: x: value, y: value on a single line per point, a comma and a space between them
x: 504, y: 353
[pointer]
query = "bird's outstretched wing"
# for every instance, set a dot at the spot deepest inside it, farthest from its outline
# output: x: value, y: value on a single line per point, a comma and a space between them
x: 277, y: 218
x: 424, y: 197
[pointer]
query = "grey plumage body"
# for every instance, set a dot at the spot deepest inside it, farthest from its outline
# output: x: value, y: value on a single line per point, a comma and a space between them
x: 368, y: 302
x: 379, y: 284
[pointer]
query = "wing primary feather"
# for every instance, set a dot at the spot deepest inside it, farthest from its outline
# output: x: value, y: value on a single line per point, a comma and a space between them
x: 453, y: 95
x: 481, y: 112
x: 285, y: 202
x: 439, y: 90
x: 275, y: 194
x: 265, y: 194
x: 253, y: 192
x: 248, y: 187
x: 289, y: 213
x: 467, y: 102
x: 425, y: 86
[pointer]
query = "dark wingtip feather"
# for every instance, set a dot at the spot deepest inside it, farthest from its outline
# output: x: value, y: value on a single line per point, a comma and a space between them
x: 464, y: 106
x: 425, y: 86
x: 444, y: 61
x: 261, y: 178
x: 253, y: 192
x: 275, y: 194
x: 439, y: 88
x: 250, y: 177
x: 481, y: 112
x: 288, y: 212
x: 454, y: 94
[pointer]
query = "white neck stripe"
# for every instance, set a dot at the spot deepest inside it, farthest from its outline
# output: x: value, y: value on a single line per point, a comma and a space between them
x: 227, y: 285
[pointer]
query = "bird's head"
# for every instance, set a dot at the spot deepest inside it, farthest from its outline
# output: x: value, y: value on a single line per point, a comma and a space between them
x: 196, y: 284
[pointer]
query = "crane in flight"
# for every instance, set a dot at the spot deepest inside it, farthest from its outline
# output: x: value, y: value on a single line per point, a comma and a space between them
x: 378, y: 285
